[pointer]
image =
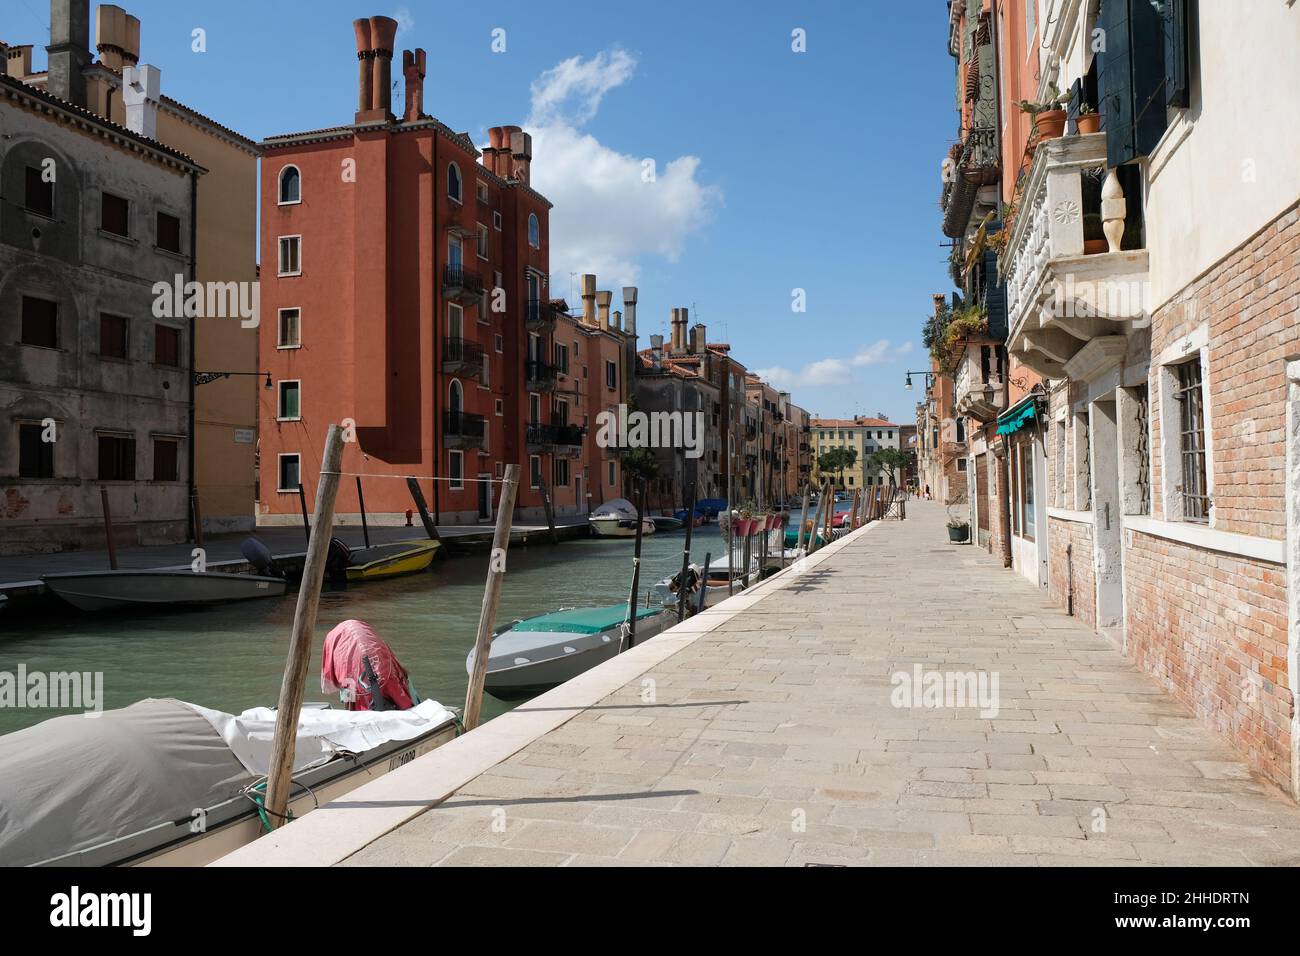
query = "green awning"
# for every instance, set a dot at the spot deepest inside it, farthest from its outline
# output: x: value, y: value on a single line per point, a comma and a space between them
x: 1026, y: 413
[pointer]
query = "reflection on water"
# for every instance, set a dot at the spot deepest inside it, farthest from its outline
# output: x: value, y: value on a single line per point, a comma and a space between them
x: 232, y: 657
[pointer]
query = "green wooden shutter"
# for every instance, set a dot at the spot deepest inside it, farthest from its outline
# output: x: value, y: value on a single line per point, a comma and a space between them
x: 995, y: 296
x: 1133, y: 78
x: 1177, y: 72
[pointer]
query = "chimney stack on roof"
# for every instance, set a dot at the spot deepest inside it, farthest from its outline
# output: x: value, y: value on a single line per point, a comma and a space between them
x: 657, y: 344
x: 629, y: 308
x: 603, y: 299
x: 69, y: 50
x: 141, y: 90
x: 698, y: 338
x: 493, y: 147
x: 413, y: 70
x: 375, y: 38
x: 117, y: 37
x: 588, y: 286
x: 521, y: 153
x: 20, y: 61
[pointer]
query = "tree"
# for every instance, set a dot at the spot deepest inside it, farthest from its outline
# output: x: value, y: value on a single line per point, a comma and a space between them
x: 836, y: 460
x: 891, y: 460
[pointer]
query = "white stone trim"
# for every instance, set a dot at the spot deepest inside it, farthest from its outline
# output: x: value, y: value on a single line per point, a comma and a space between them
x: 1270, y: 550
x: 334, y: 832
x: 1292, y: 492
x: 1065, y: 514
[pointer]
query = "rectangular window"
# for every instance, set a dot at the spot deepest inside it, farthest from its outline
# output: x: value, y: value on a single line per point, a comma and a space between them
x: 1027, y: 518
x: 116, y: 458
x: 1191, y: 427
x: 612, y: 477
x: 961, y: 464
x: 35, y: 455
x: 562, y: 358
x: 169, y: 233
x: 481, y: 190
x: 290, y: 255
x: 500, y: 407
x: 535, y: 471
x: 112, y: 336
x: 40, y: 194
x: 40, y: 322
x: 482, y: 241
x: 456, y: 470
x: 167, y: 346
x: 114, y: 215
x: 561, y: 473
x: 498, y: 343
x: 290, y: 334
x: 290, y: 401
x: 496, y: 221
x: 534, y: 408
x: 290, y: 474
x: 611, y: 375
x: 164, y: 460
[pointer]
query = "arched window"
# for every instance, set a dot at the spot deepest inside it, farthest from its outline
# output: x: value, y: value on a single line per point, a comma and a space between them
x: 455, y: 398
x: 453, y: 182
x: 290, y: 185
x: 534, y: 231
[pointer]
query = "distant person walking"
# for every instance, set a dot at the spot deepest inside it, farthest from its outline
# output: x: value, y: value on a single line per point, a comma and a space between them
x: 927, y: 492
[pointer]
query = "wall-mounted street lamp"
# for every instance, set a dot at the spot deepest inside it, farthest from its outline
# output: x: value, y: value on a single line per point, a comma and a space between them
x: 203, y: 378
x: 929, y: 380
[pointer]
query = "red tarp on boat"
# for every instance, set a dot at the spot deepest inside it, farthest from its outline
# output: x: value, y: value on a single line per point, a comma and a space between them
x: 341, y: 667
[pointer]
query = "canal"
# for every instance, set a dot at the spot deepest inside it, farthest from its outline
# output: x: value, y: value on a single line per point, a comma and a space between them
x: 232, y: 657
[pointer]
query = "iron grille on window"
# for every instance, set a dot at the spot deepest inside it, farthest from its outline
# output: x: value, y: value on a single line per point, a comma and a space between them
x: 1084, y: 431
x: 1143, y: 451
x: 1191, y: 423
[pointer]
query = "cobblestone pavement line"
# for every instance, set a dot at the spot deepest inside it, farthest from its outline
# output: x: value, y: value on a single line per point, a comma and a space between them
x: 774, y: 741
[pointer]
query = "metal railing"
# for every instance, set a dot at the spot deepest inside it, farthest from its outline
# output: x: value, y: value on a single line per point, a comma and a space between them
x: 540, y: 374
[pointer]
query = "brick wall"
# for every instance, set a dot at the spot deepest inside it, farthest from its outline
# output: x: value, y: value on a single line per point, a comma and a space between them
x: 1250, y: 301
x: 1212, y: 628
x: 1076, y: 568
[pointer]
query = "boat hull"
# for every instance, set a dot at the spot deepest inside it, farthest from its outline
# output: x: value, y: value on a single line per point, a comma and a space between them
x: 619, y: 527
x: 390, y: 561
x: 106, y: 590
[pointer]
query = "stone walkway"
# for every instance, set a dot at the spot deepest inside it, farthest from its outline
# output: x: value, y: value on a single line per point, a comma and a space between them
x: 773, y: 741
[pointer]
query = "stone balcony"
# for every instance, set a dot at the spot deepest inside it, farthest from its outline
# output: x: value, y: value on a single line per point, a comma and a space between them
x: 979, y: 394
x: 1060, y: 297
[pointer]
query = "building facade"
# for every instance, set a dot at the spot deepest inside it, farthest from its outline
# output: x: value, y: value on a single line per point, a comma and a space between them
x: 866, y: 436
x: 95, y: 385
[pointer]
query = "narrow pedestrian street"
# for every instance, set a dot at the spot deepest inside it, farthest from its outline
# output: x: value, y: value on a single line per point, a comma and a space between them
x: 772, y: 740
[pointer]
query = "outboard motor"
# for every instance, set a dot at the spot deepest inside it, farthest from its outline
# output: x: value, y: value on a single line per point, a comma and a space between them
x: 370, y: 684
x: 259, y: 556
x: 336, y: 562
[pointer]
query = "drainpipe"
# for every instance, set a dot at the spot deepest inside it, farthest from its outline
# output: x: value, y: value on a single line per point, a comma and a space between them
x: 194, y: 275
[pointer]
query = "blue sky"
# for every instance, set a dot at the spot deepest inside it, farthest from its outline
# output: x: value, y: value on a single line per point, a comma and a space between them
x: 775, y: 170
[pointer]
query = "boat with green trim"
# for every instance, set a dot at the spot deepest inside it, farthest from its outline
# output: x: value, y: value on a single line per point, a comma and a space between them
x: 533, y: 655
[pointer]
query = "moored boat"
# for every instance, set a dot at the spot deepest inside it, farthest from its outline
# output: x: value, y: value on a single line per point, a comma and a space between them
x: 533, y: 655
x: 665, y: 523
x: 618, y: 519
x: 107, y: 590
x: 714, y: 584
x: 391, y: 560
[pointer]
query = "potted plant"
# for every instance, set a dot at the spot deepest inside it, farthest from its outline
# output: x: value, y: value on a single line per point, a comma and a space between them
x: 1088, y: 120
x: 1049, y: 115
x: 958, y: 531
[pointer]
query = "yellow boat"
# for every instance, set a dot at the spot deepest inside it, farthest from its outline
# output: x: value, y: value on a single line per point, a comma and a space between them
x: 391, y: 560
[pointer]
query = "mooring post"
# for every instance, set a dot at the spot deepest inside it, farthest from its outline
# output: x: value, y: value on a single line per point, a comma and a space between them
x: 549, y: 507
x: 803, y: 517
x: 285, y: 741
x: 302, y: 504
x: 197, y: 517
x: 686, y: 555
x: 361, y: 503
x: 704, y: 587
x: 108, y: 527
x: 417, y: 496
x: 491, y: 597
x: 636, y: 565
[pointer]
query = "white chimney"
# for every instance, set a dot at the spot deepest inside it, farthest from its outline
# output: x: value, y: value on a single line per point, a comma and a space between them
x: 629, y: 308
x: 141, y: 90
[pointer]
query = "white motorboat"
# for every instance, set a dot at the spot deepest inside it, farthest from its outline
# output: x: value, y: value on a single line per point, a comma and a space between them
x: 617, y: 518
x: 109, y: 590
x: 534, y: 655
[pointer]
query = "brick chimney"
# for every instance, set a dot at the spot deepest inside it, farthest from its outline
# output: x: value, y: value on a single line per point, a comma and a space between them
x: 629, y: 308
x: 375, y: 53
x: 20, y: 61
x: 69, y: 50
x: 495, y: 135
x: 616, y: 321
x: 657, y: 344
x: 521, y: 155
x: 683, y: 320
x: 698, y: 338
x: 603, y: 299
x: 589, y: 299
x: 141, y: 90
x: 413, y: 70
x: 117, y: 37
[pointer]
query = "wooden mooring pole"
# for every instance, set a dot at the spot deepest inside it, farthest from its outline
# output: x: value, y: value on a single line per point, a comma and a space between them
x: 302, y: 504
x: 636, y: 565
x: 549, y: 506
x: 686, y: 554
x: 803, y: 517
x: 361, y: 503
x: 285, y: 741
x: 417, y: 496
x: 491, y: 597
x: 108, y: 527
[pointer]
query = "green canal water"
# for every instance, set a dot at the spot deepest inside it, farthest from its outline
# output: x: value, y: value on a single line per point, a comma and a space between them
x: 232, y: 657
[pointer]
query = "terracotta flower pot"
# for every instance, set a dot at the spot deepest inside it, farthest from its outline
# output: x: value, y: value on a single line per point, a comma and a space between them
x: 1092, y: 247
x: 1088, y: 123
x: 1050, y: 123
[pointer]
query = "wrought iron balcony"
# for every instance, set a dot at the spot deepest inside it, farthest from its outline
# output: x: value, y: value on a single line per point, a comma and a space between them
x: 540, y: 376
x: 540, y: 316
x: 462, y: 357
x: 463, y: 430
x: 557, y: 439
x: 1068, y: 309
x: 461, y: 285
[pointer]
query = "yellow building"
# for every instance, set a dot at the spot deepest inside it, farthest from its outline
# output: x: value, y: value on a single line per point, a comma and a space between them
x: 864, y: 435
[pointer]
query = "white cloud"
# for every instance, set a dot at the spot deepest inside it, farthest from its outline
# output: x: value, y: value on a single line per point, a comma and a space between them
x: 607, y: 216
x: 405, y: 21
x: 834, y: 370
